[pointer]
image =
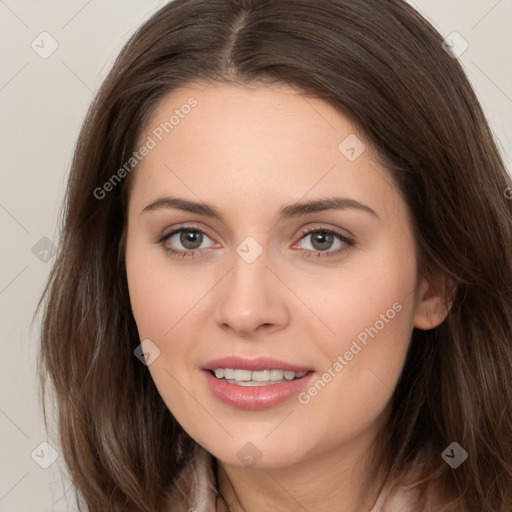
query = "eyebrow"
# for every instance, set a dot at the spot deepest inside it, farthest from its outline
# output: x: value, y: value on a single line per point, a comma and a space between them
x: 286, y: 212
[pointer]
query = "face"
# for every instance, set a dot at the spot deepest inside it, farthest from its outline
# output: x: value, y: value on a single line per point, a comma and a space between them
x: 331, y: 289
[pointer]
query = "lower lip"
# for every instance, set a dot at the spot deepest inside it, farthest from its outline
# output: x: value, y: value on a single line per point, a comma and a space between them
x: 255, y: 397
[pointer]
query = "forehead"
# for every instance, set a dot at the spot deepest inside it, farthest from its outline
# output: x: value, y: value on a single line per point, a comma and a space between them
x: 257, y: 144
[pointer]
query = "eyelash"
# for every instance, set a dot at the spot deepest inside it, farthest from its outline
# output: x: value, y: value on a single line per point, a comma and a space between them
x: 348, y: 242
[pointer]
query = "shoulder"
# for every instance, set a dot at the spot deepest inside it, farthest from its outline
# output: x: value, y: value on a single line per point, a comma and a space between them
x: 396, y: 499
x: 401, y: 496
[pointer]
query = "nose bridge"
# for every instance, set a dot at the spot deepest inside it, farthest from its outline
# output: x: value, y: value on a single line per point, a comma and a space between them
x: 249, y: 296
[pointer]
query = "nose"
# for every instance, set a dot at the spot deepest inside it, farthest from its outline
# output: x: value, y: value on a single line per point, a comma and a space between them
x: 252, y: 299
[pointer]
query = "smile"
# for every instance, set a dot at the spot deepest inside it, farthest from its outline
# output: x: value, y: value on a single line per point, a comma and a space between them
x: 255, y: 394
x: 256, y: 378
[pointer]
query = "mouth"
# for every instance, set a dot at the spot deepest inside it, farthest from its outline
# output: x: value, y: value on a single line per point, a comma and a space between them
x: 257, y: 383
x: 267, y: 377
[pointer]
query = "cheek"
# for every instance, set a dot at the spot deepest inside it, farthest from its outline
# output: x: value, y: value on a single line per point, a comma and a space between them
x: 149, y: 299
x: 374, y: 291
x: 372, y: 322
x: 160, y: 296
x: 165, y: 299
x: 163, y: 310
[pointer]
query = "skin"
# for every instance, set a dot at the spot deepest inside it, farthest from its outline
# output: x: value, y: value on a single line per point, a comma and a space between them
x: 248, y: 151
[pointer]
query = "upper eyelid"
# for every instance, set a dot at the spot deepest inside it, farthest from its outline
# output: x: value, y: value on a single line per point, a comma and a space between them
x: 185, y: 228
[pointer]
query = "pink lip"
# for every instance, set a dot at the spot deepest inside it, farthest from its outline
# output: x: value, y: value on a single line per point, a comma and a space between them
x: 259, y: 363
x: 255, y: 397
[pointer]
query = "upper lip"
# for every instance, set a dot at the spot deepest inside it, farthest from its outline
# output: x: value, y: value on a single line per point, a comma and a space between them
x: 258, y: 363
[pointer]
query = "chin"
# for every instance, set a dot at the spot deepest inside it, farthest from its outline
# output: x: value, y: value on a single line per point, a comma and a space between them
x: 258, y: 453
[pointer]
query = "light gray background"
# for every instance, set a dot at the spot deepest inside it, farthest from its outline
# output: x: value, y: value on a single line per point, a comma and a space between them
x: 42, y: 105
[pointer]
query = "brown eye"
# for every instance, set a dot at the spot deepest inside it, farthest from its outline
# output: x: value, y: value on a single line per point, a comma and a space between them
x: 321, y: 240
x: 325, y: 243
x: 191, y: 239
x: 186, y: 242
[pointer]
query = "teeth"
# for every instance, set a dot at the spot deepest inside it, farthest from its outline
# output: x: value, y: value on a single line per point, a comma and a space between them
x: 253, y: 378
x: 243, y: 375
x: 276, y: 375
x: 262, y: 375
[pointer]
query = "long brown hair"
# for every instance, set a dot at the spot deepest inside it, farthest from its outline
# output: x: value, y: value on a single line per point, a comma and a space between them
x: 382, y: 65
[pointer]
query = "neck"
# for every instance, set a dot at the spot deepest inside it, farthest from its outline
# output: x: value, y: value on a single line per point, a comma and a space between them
x: 334, y: 480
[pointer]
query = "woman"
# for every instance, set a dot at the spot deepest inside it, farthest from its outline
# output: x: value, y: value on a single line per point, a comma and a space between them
x: 285, y: 274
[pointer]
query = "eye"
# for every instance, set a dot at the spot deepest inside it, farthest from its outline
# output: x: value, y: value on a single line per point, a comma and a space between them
x: 191, y: 239
x: 322, y: 239
x: 188, y: 237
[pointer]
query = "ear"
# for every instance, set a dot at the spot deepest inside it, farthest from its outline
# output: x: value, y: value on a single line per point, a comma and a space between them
x: 433, y: 302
